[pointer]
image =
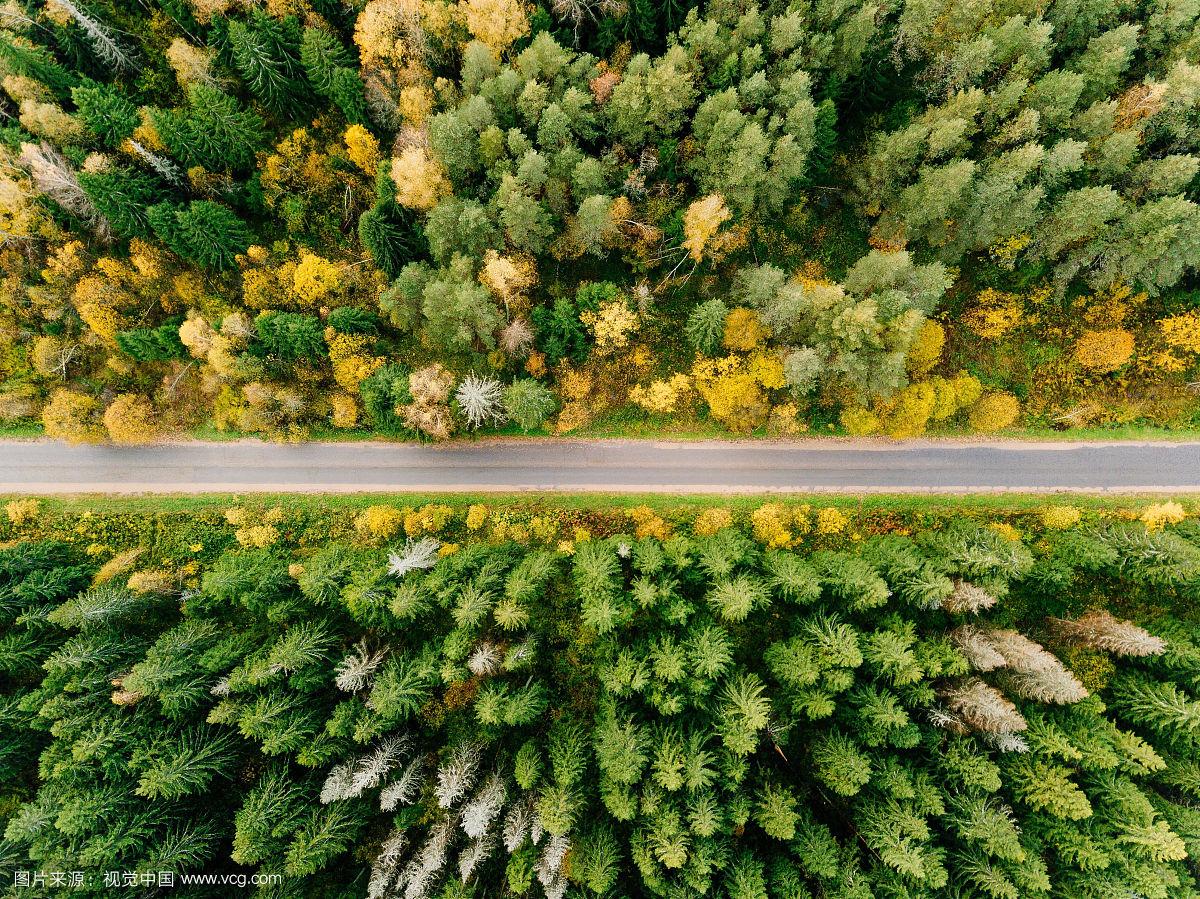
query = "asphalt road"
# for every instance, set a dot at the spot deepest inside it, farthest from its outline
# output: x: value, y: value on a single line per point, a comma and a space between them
x: 39, y: 466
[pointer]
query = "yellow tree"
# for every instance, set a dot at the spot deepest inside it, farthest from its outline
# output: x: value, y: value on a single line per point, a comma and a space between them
x: 419, y: 178
x: 701, y: 222
x: 495, y: 23
x: 131, y: 419
x: 72, y: 416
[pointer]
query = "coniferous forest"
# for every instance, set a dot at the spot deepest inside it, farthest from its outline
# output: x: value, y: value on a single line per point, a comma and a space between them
x: 767, y: 702
x: 423, y: 217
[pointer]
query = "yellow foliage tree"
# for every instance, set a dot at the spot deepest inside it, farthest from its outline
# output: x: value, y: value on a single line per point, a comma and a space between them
x: 994, y: 314
x: 495, y: 23
x: 379, y: 522
x: 611, y: 326
x: 72, y: 416
x: 349, y: 359
x: 131, y: 419
x: 701, y: 222
x: 710, y: 521
x: 419, y: 178
x: 362, y: 148
x: 734, y: 396
x: 926, y: 349
x: 315, y: 278
x: 743, y: 330
x: 1182, y: 331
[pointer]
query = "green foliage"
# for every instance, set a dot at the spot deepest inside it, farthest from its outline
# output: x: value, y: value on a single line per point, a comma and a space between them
x: 203, y: 232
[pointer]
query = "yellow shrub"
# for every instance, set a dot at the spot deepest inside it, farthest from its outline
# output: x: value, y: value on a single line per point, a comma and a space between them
x: 1104, y: 351
x: 257, y: 537
x: 476, y: 516
x: 767, y: 369
x: 130, y: 419
x: 22, y: 511
x: 771, y: 523
x: 348, y: 357
x: 831, y: 521
x: 784, y: 420
x: 710, y: 521
x: 1007, y: 531
x: 379, y: 522
x: 909, y: 411
x: 152, y: 580
x: 72, y: 416
x: 1182, y: 331
x: 235, y: 516
x: 743, y: 330
x: 649, y: 523
x: 344, y: 409
x: 362, y: 148
x: 994, y: 411
x: 662, y: 395
x: 1060, y: 518
x: 612, y: 326
x: 1162, y: 514
x: 926, y: 349
x: 118, y: 564
x: 859, y: 422
x: 994, y: 314
x: 428, y: 519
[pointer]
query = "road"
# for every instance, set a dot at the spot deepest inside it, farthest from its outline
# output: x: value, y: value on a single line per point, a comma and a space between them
x: 43, y: 467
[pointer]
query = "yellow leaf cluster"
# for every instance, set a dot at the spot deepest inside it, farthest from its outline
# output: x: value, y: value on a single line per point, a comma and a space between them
x: 509, y: 278
x: 130, y: 419
x: 343, y: 410
x: 419, y: 178
x: 23, y: 511
x: 712, y: 520
x: 612, y: 325
x: 743, y: 330
x: 994, y: 314
x: 477, y: 515
x: 775, y: 525
x: 994, y: 411
x: 734, y: 395
x: 701, y: 222
x: 1060, y: 518
x: 831, y: 521
x: 661, y: 395
x: 1158, y: 515
x: 429, y: 519
x: 926, y: 349
x: 349, y: 359
x: 72, y: 416
x: 315, y: 278
x: 1182, y: 331
x: 1104, y: 351
x: 379, y: 522
x: 495, y: 23
x: 362, y: 148
x: 649, y: 523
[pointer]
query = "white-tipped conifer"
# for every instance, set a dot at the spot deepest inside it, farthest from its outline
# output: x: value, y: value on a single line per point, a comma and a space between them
x: 416, y: 555
x: 356, y: 671
x: 457, y: 775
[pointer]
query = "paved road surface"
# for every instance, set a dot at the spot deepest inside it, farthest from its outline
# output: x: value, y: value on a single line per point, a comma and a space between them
x: 601, y: 465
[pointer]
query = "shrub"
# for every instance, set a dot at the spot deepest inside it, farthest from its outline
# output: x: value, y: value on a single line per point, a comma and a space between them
x: 994, y: 411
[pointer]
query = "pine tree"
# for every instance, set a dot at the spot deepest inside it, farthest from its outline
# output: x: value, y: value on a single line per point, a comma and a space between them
x: 333, y: 73
x: 106, y: 113
x: 214, y: 130
x: 266, y: 53
x: 203, y: 232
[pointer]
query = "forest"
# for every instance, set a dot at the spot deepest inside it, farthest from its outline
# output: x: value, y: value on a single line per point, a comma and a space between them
x: 765, y: 701
x: 422, y: 218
